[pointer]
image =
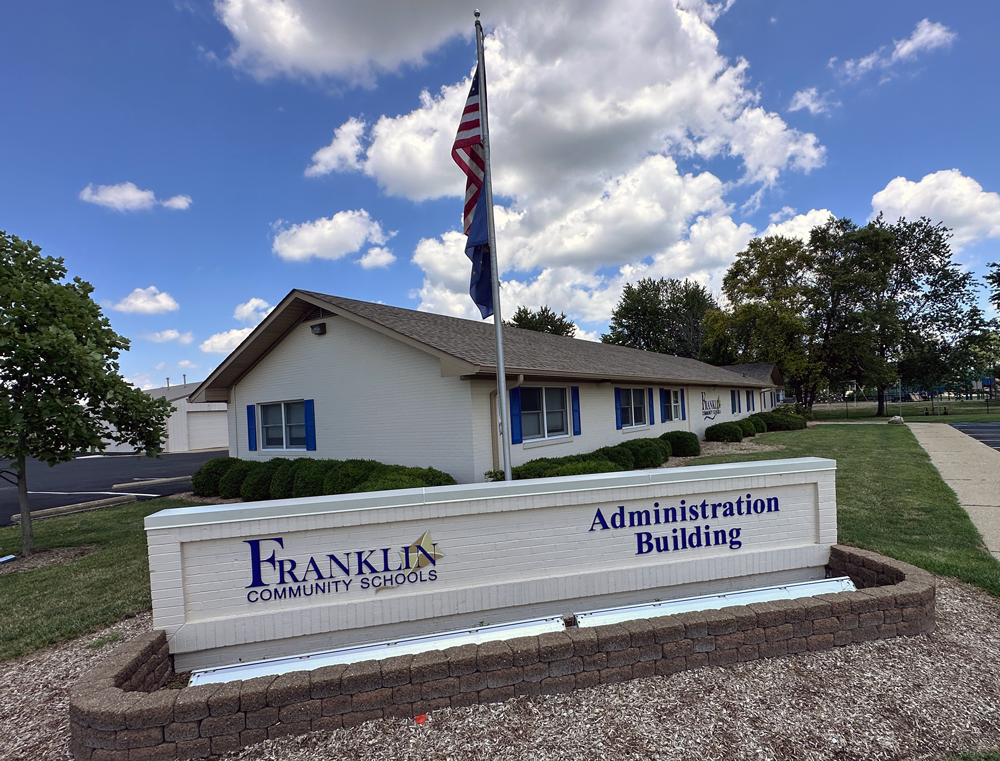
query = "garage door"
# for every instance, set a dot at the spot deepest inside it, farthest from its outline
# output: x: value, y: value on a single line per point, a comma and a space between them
x: 207, y: 430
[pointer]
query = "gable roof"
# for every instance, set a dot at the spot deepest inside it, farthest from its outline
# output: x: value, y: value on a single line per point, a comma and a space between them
x: 466, y: 348
x: 766, y: 372
x: 174, y: 392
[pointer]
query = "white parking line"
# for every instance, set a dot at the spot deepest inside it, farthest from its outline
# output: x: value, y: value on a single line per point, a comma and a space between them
x: 109, y: 493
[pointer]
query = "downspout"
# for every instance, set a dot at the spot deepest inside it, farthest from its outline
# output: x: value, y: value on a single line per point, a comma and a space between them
x: 494, y: 420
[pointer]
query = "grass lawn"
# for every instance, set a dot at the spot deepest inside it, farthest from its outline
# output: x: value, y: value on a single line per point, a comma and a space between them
x: 959, y: 411
x: 891, y: 499
x: 58, y: 603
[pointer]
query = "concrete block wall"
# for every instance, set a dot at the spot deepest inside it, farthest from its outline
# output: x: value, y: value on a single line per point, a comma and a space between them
x: 117, y: 714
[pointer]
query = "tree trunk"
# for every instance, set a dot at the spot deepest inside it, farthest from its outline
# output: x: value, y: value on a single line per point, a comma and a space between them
x: 27, y: 535
x: 881, y: 402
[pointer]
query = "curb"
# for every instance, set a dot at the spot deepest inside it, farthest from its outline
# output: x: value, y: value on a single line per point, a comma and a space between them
x: 80, y: 507
x: 152, y: 482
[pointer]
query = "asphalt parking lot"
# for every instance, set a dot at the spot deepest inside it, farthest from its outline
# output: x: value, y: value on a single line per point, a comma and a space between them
x: 91, y: 477
x: 987, y: 433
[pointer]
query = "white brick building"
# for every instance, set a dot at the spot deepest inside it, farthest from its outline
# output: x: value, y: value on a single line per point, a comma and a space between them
x: 328, y: 377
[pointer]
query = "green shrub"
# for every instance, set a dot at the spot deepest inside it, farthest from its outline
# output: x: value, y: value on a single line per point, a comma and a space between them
x: 724, y: 432
x: 782, y: 421
x: 283, y: 480
x: 387, y: 480
x: 619, y: 455
x: 682, y: 443
x: 666, y: 449
x: 747, y: 426
x: 758, y: 423
x: 257, y: 485
x: 232, y: 481
x: 205, y: 481
x: 541, y: 467
x: 433, y: 476
x: 344, y: 476
x: 309, y: 477
x: 646, y: 452
x: 583, y: 467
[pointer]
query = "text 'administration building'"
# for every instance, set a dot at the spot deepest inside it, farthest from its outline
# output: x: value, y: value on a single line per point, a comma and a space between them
x: 329, y: 377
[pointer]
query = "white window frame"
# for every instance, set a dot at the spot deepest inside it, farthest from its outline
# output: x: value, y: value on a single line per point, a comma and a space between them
x: 284, y: 426
x: 643, y: 395
x: 567, y: 415
x: 673, y: 404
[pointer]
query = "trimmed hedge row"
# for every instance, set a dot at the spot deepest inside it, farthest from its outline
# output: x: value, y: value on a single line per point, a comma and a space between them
x: 629, y: 455
x: 278, y: 478
x: 782, y: 421
x: 682, y: 443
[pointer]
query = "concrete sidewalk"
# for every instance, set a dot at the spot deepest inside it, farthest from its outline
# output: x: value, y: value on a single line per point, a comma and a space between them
x: 972, y: 470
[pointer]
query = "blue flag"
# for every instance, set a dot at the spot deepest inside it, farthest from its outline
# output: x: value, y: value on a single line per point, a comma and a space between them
x: 477, y: 248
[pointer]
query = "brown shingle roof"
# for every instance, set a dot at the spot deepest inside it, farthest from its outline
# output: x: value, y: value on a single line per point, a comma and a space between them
x: 530, y: 352
x: 468, y: 346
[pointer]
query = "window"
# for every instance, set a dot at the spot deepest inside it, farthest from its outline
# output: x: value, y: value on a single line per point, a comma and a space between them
x: 633, y: 402
x: 671, y: 407
x: 543, y: 413
x: 283, y: 425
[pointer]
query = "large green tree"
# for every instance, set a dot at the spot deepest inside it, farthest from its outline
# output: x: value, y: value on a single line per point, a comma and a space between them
x: 855, y: 303
x: 665, y: 316
x: 543, y: 321
x: 61, y: 387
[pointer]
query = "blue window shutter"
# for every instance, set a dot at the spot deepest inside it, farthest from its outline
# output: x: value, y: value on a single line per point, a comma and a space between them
x: 574, y: 393
x: 310, y: 410
x: 732, y: 400
x: 684, y: 415
x: 252, y: 427
x: 652, y: 411
x: 618, y: 408
x: 515, y: 416
x: 663, y: 405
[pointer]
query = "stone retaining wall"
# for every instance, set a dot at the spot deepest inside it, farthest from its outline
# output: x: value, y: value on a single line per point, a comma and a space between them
x: 117, y: 713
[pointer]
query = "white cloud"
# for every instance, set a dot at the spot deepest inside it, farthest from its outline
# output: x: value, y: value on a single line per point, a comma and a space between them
x: 927, y: 36
x: 252, y: 311
x: 224, y: 343
x: 799, y: 226
x: 341, y: 155
x: 126, y: 196
x: 329, y: 237
x: 177, y: 202
x: 169, y: 335
x: 142, y: 381
x: 146, y: 301
x: 377, y: 257
x: 783, y: 213
x: 187, y: 364
x: 811, y: 100
x: 947, y: 196
x: 591, y: 101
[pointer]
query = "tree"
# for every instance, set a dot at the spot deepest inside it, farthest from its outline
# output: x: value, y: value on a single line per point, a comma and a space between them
x: 664, y: 316
x: 850, y: 305
x: 59, y: 372
x: 542, y: 321
x: 993, y: 283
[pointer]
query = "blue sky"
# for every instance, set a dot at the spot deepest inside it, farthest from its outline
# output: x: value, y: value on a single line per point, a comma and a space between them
x: 195, y: 160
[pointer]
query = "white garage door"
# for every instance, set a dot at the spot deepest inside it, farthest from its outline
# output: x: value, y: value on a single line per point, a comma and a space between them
x: 207, y: 430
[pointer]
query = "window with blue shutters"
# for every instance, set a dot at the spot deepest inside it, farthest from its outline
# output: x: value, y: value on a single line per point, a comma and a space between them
x: 630, y: 407
x: 670, y: 404
x: 543, y: 412
x: 288, y: 425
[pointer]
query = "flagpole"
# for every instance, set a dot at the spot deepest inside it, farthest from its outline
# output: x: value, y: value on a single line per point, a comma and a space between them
x: 497, y: 320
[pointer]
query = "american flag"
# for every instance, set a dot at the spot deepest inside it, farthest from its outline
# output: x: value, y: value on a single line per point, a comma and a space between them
x: 468, y: 152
